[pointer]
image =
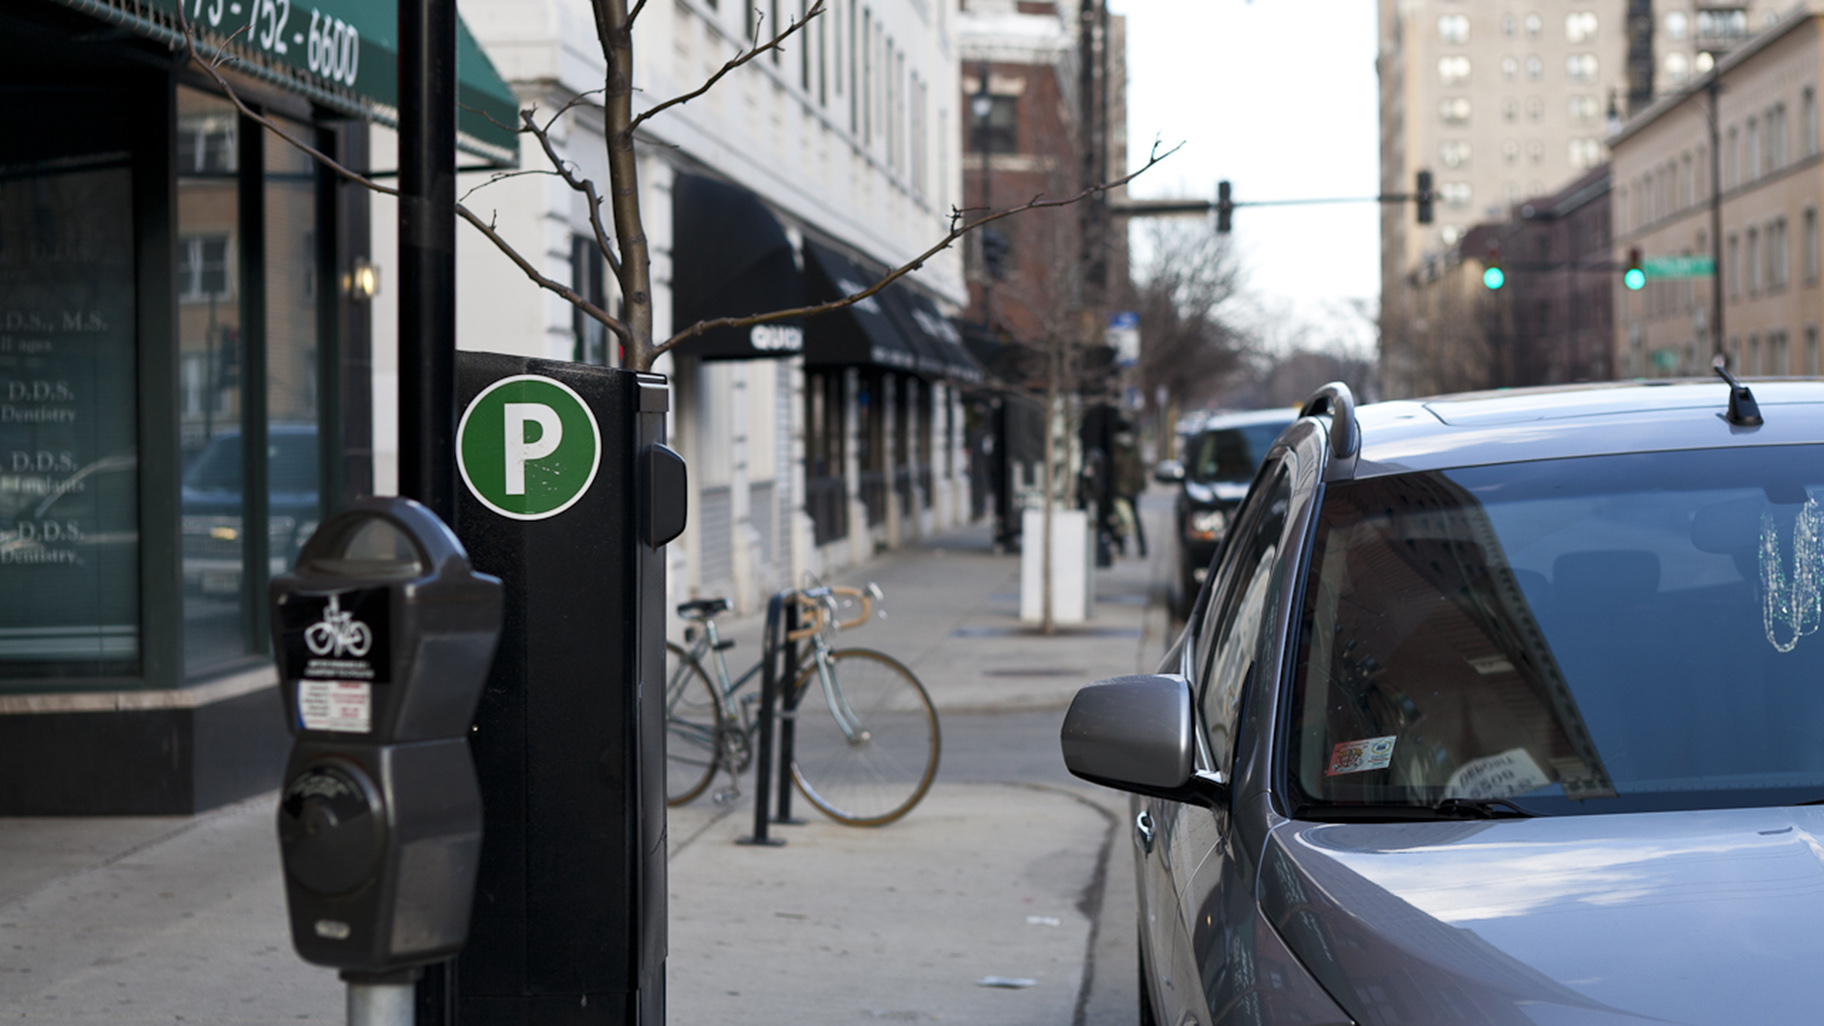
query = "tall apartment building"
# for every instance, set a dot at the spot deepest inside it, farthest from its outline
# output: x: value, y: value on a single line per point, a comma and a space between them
x: 1502, y: 102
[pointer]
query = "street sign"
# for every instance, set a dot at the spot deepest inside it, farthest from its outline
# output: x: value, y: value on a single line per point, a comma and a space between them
x: 528, y: 447
x: 1124, y: 336
x: 1679, y: 267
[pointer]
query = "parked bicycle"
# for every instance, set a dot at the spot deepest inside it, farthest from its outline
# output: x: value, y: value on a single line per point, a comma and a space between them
x: 866, y: 744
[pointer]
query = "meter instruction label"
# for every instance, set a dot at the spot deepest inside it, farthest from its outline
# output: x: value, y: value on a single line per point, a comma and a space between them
x: 342, y: 706
x: 342, y: 636
x: 528, y: 447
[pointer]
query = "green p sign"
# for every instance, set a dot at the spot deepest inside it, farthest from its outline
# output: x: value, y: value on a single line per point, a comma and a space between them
x: 528, y: 447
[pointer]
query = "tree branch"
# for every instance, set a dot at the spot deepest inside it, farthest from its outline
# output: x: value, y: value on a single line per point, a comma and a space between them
x: 740, y: 59
x: 582, y: 185
x: 959, y: 227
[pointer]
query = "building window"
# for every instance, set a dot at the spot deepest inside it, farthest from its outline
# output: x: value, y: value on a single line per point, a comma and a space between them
x: 1535, y: 151
x: 999, y: 130
x: 1453, y: 70
x: 1678, y: 24
x: 1454, y: 153
x: 1721, y: 26
x: 1678, y: 68
x: 1534, y: 67
x: 1510, y: 68
x: 206, y: 144
x: 1534, y: 23
x: 1510, y: 152
x: 1509, y: 25
x: 1778, y: 269
x: 1734, y: 268
x: 1454, y: 194
x: 1585, y: 153
x: 202, y: 268
x: 1453, y: 28
x: 1753, y: 247
x: 1585, y: 110
x: 1776, y: 137
x: 1751, y: 164
x: 1808, y: 120
x: 1454, y: 111
x: 1581, y: 67
x: 1812, y: 366
x: 1535, y: 108
x: 1580, y: 26
x: 1731, y: 172
x: 1810, y: 242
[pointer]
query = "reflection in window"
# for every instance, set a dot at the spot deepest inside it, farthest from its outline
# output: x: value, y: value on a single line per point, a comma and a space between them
x: 1453, y: 28
x: 1581, y: 67
x: 1454, y: 153
x: 202, y: 267
x: 1454, y: 111
x: 206, y: 143
x: 1454, y: 194
x: 1585, y: 110
x: 1585, y: 153
x: 1580, y: 26
x: 1453, y: 70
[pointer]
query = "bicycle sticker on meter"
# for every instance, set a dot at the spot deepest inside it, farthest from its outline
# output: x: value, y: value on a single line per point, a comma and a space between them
x: 336, y: 647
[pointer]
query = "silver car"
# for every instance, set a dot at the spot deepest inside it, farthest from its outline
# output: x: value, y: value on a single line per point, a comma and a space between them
x: 1503, y: 708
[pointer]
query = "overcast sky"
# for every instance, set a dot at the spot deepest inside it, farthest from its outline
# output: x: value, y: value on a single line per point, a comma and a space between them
x: 1278, y: 97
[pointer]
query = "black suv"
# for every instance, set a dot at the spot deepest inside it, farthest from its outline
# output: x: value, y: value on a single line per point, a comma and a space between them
x: 1502, y: 708
x: 1221, y: 453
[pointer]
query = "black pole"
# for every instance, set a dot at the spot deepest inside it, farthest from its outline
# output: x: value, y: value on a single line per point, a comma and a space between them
x: 773, y: 646
x: 427, y: 307
x: 427, y: 253
x: 1717, y: 342
x: 788, y: 718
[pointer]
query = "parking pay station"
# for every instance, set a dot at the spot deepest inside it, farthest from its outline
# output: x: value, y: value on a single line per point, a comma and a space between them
x: 384, y: 635
x: 568, y: 494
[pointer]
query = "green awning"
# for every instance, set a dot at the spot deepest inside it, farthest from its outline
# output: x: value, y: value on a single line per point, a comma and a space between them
x: 343, y: 54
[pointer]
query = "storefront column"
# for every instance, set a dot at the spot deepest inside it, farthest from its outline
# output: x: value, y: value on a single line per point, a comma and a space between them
x: 890, y: 435
x: 861, y: 536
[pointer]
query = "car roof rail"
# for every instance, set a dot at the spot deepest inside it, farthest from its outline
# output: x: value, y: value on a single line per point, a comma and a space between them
x: 1336, y: 400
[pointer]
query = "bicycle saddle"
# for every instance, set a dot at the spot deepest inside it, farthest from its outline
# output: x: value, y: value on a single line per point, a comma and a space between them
x: 702, y: 609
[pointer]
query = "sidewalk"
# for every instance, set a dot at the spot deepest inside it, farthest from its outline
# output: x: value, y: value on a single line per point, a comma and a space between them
x: 181, y: 919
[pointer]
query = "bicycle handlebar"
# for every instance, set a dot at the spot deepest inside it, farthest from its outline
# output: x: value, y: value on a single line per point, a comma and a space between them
x: 820, y: 604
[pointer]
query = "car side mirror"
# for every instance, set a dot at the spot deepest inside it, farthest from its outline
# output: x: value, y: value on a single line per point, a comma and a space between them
x: 1168, y: 472
x: 1138, y: 734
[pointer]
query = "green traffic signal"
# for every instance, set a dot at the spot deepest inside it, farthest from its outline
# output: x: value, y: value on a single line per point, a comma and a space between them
x: 1634, y: 278
x: 1493, y: 278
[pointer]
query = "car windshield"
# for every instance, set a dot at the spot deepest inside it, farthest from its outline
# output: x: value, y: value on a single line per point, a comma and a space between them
x: 1230, y: 454
x: 1603, y: 634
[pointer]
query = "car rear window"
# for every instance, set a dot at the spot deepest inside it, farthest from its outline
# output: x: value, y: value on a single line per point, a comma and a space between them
x: 1230, y: 454
x: 1589, y: 635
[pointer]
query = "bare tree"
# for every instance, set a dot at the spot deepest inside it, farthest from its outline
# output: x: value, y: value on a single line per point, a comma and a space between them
x: 1185, y: 293
x: 622, y: 236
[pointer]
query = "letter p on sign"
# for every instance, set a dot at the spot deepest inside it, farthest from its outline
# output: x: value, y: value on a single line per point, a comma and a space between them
x: 519, y: 449
x: 528, y: 447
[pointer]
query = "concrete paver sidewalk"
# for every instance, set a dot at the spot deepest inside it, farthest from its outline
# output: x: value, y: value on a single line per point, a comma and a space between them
x: 129, y: 921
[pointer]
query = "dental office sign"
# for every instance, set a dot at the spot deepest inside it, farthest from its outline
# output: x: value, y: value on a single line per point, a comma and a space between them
x: 528, y: 447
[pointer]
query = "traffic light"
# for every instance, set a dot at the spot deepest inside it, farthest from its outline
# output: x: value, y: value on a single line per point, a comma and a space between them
x: 1634, y: 277
x: 1492, y: 275
x: 1225, y: 206
x: 1424, y: 197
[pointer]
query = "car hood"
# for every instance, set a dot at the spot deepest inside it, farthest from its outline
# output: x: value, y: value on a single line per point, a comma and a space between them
x: 1686, y: 917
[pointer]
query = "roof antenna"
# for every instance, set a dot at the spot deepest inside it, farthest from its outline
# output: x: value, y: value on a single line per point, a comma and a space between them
x: 1742, y: 409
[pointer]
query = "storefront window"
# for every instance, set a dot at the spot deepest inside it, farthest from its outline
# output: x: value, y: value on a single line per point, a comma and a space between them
x: 69, y: 522
x: 292, y: 395
x: 211, y: 359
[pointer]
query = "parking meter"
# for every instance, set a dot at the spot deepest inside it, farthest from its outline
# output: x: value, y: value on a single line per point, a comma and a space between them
x: 384, y: 636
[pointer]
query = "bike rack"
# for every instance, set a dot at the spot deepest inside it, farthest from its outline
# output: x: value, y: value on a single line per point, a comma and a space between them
x: 780, y: 655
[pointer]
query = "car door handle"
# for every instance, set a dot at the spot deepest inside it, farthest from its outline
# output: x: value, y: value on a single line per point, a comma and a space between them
x: 1143, y: 828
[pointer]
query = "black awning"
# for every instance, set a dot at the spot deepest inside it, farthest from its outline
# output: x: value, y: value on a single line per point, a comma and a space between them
x: 730, y: 258
x: 863, y: 334
x: 943, y: 355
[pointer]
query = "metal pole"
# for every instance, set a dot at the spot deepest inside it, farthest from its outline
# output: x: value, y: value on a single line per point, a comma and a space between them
x: 983, y: 107
x: 773, y: 642
x: 427, y: 253
x: 380, y: 1004
x: 1716, y: 218
x: 427, y: 315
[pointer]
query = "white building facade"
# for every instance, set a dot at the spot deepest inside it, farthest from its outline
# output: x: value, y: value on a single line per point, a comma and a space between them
x: 808, y: 170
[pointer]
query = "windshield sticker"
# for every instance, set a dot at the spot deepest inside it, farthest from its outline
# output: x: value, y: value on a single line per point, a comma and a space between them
x: 1497, y: 776
x: 1360, y: 756
x: 1792, y: 606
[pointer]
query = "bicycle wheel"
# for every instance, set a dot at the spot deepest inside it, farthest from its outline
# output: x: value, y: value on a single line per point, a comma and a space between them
x: 877, y: 767
x: 693, y: 727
